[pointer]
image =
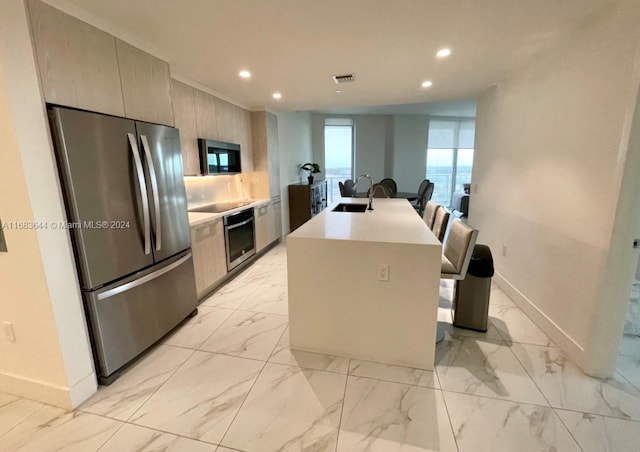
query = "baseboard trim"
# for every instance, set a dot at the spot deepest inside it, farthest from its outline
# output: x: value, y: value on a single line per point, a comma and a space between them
x: 549, y: 327
x: 51, y: 394
x: 83, y: 389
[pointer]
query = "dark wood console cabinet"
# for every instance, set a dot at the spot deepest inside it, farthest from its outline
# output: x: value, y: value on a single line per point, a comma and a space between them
x: 305, y: 201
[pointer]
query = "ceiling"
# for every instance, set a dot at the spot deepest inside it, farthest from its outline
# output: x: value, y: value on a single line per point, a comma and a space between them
x: 295, y: 46
x: 457, y: 108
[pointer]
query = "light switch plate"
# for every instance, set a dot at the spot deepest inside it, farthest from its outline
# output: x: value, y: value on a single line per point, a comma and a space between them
x: 9, y: 332
x: 383, y: 272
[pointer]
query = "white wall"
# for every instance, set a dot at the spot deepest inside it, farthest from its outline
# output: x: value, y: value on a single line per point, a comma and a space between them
x: 294, y: 139
x: 549, y: 152
x: 410, y: 151
x: 51, y: 358
x: 371, y: 144
x: 609, y: 318
x: 389, y: 145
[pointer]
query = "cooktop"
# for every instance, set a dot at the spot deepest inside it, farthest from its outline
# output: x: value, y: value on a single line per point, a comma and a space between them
x: 220, y: 207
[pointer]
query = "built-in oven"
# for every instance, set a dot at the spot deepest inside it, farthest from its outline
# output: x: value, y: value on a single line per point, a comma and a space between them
x: 239, y: 237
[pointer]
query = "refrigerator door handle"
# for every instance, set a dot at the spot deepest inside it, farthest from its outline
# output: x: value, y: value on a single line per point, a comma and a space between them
x: 145, y: 279
x: 143, y: 192
x: 154, y: 191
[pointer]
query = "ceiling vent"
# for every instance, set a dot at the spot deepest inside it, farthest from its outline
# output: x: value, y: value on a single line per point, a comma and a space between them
x: 344, y: 78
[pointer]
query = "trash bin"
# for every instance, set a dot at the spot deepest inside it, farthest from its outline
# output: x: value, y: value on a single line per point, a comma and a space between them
x: 470, y: 307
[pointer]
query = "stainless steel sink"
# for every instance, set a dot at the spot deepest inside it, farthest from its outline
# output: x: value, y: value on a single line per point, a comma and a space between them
x: 220, y: 207
x: 350, y: 208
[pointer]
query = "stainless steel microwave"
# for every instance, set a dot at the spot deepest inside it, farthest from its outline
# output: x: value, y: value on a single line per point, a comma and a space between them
x: 218, y: 157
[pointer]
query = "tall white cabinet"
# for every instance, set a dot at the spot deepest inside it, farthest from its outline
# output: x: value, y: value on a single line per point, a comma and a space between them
x: 266, y: 161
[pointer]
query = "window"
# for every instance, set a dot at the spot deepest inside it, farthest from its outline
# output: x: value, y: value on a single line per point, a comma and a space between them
x: 449, y: 157
x: 338, y: 153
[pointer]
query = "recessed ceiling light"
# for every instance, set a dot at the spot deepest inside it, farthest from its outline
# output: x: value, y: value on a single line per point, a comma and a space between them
x: 277, y: 96
x: 427, y: 84
x: 244, y: 74
x: 443, y: 53
x: 338, y: 91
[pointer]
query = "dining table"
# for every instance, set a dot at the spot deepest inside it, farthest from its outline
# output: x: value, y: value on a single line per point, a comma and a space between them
x: 409, y: 196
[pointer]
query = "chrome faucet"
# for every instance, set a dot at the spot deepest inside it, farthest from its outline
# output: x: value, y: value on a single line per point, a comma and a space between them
x: 369, y: 192
x: 384, y: 191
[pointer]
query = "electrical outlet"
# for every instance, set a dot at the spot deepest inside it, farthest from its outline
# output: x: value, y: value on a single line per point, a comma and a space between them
x: 383, y: 272
x: 504, y: 249
x: 9, y: 333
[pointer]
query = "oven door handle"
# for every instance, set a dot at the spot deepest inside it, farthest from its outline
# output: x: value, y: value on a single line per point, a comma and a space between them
x: 239, y: 224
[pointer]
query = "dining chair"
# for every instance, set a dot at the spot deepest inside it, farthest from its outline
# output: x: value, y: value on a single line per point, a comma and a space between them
x: 349, y: 188
x: 418, y: 204
x: 391, y: 185
x: 426, y: 196
x: 379, y: 191
x: 440, y: 222
x: 456, y: 255
x: 430, y: 213
x: 343, y: 191
x: 428, y: 193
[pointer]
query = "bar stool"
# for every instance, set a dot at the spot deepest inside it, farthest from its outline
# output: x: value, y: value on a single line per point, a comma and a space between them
x: 456, y: 255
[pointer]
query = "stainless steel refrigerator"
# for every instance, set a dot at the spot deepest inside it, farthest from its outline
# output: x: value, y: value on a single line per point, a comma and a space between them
x: 127, y: 216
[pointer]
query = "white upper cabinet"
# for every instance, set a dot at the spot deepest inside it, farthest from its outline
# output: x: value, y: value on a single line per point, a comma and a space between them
x: 206, y: 123
x: 84, y: 67
x: 146, y: 85
x: 78, y: 63
x: 224, y: 120
x: 184, y: 114
x: 273, y: 148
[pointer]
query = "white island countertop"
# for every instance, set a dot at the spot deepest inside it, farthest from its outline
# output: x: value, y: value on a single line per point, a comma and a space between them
x: 365, y: 285
x: 391, y: 221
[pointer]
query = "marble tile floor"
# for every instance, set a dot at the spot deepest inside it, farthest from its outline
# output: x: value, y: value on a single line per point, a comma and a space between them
x: 227, y: 381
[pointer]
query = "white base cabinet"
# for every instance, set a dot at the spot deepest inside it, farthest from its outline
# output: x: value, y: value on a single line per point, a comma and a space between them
x: 209, y: 255
x: 268, y: 224
x: 262, y: 220
x: 276, y: 219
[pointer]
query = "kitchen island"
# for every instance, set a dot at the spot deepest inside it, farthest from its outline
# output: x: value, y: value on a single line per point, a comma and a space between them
x: 338, y: 303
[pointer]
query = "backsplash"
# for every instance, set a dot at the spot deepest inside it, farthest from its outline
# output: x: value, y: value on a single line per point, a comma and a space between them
x: 202, y: 190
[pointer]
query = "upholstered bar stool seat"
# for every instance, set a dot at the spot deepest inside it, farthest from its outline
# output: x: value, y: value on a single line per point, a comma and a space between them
x: 456, y: 256
x: 457, y: 250
x: 429, y: 215
x: 440, y: 223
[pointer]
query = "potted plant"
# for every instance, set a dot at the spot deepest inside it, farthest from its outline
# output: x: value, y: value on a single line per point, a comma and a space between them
x: 312, y: 168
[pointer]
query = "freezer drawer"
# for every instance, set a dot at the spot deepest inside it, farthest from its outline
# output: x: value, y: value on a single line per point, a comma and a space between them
x: 126, y: 318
